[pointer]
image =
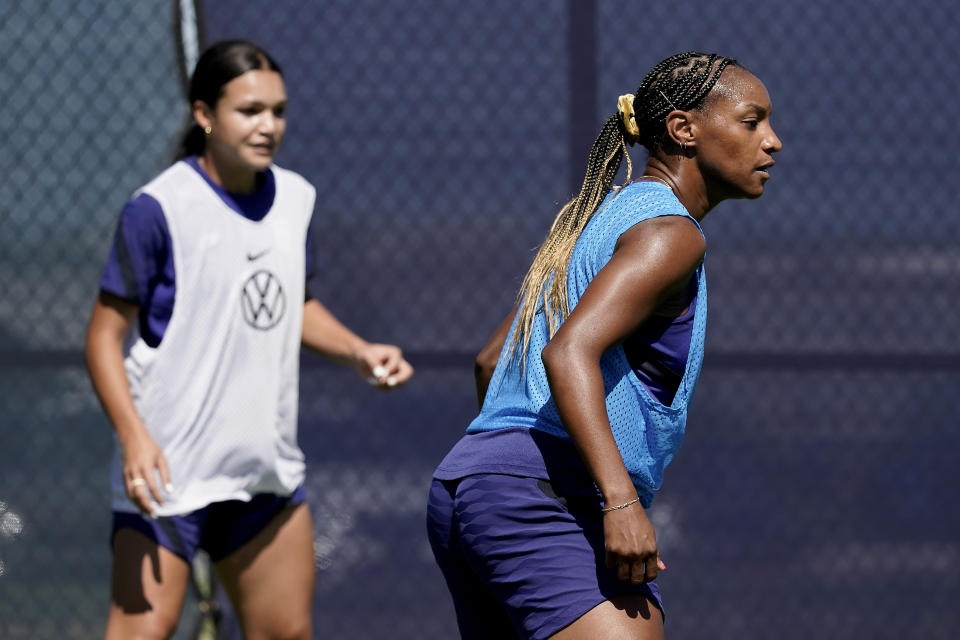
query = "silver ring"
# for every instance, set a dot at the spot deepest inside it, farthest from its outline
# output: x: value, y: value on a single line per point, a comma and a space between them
x: 138, y: 482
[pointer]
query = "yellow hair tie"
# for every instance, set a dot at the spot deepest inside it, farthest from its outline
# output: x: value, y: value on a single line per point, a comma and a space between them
x: 625, y: 109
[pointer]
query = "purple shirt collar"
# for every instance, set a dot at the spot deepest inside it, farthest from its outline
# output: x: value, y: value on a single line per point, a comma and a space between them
x: 252, y: 206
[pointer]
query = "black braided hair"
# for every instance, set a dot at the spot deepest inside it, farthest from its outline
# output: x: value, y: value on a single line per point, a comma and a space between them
x: 682, y: 82
x: 604, y: 160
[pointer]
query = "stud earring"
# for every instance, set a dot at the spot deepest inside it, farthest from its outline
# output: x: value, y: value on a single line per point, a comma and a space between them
x: 208, y: 130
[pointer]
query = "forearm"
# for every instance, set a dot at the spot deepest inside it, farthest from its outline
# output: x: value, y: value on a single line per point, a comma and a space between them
x: 481, y: 377
x: 104, y: 359
x: 324, y: 335
x: 486, y: 361
x: 576, y: 385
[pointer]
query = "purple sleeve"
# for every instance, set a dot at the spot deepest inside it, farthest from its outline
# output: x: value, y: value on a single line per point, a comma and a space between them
x: 140, y: 255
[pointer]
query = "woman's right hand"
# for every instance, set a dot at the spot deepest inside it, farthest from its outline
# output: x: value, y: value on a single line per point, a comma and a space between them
x: 631, y: 544
x: 143, y: 462
x: 110, y: 323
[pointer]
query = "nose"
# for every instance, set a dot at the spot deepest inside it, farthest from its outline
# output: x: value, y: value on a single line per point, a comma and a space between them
x: 771, y: 143
x: 268, y: 122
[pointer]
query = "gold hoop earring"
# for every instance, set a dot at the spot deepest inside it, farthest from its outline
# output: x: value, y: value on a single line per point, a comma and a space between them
x: 207, y: 130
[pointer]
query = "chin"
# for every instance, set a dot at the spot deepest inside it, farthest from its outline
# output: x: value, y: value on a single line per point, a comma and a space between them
x: 751, y: 193
x: 260, y: 163
x: 754, y: 191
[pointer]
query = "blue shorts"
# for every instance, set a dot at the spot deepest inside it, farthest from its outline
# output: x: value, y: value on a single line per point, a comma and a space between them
x: 523, y: 558
x: 219, y: 528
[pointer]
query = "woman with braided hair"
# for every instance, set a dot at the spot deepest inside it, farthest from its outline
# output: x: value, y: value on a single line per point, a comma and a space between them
x: 537, y: 516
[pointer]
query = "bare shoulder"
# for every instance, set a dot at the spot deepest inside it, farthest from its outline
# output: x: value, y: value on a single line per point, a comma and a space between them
x: 675, y: 237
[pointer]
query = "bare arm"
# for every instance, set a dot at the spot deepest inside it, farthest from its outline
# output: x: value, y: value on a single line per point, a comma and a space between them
x: 486, y: 360
x: 653, y: 260
x: 110, y: 323
x: 382, y: 364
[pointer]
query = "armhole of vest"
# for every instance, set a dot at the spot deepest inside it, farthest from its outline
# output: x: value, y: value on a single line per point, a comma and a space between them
x: 172, y: 245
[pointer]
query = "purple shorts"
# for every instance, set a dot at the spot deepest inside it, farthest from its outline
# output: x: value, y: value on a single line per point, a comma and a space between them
x: 219, y: 528
x: 523, y: 558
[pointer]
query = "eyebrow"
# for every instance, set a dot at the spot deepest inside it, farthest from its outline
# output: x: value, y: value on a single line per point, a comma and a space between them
x: 760, y: 109
x: 260, y: 103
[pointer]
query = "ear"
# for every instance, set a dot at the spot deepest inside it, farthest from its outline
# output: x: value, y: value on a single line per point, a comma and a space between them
x: 202, y: 114
x: 682, y: 128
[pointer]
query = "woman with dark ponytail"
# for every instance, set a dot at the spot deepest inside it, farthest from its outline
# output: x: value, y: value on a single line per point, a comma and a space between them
x: 537, y: 516
x: 207, y: 277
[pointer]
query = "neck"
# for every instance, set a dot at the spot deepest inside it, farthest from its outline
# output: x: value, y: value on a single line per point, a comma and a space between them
x: 687, y: 183
x: 233, y: 179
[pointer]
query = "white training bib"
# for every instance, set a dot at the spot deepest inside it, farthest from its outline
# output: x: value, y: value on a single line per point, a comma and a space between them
x: 220, y: 392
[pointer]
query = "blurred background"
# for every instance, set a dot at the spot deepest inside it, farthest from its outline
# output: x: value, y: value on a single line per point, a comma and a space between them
x: 816, y: 492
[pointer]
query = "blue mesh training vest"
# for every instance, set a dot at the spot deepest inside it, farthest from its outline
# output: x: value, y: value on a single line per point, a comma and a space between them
x: 647, y: 432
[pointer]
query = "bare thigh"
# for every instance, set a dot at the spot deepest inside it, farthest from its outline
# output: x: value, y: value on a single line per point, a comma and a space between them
x: 629, y: 617
x: 270, y: 579
x: 148, y: 584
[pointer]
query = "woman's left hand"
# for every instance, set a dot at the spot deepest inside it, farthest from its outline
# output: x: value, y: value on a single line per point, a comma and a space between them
x: 383, y: 365
x: 631, y: 545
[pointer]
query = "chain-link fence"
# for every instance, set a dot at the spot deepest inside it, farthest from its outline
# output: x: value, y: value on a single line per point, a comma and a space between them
x: 816, y: 493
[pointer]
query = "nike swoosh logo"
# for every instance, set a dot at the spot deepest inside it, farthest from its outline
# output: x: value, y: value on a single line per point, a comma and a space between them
x: 256, y: 256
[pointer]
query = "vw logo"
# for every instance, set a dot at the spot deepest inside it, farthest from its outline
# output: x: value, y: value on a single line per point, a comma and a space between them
x: 263, y: 300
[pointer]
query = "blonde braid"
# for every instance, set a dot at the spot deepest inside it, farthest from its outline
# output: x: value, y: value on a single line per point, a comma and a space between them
x: 545, y: 284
